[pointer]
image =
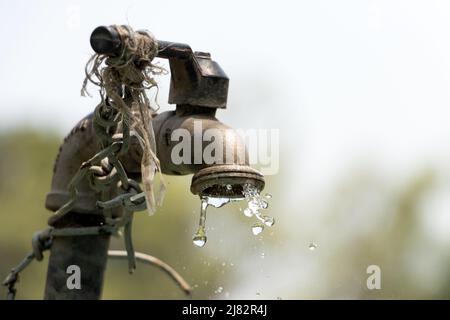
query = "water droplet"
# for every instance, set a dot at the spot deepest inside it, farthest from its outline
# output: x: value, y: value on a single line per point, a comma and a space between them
x: 312, y: 246
x: 258, y: 293
x: 218, y: 290
x: 257, y: 228
x: 199, y: 238
x: 255, y: 203
x: 199, y: 241
x: 269, y: 221
x: 248, y: 213
x: 279, y: 298
x: 253, y: 206
x: 224, y: 264
x: 263, y: 255
x: 264, y: 204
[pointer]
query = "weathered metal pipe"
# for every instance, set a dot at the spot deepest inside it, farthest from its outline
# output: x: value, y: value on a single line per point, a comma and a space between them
x: 89, y: 253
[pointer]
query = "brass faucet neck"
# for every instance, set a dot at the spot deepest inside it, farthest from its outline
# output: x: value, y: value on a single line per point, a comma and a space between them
x: 188, y: 109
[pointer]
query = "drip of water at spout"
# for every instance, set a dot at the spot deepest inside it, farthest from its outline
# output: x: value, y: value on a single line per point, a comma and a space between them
x: 199, y: 238
x: 217, y: 202
x: 255, y: 203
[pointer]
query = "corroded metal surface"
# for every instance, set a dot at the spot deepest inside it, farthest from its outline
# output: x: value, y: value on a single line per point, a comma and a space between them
x: 89, y: 253
x: 225, y: 181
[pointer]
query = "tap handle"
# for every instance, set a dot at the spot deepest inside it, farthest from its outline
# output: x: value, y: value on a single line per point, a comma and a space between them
x: 106, y: 40
x: 195, y: 78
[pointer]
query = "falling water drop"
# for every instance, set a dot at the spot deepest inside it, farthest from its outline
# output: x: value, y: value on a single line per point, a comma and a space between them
x: 268, y: 196
x: 264, y: 204
x: 253, y: 206
x: 268, y: 221
x: 312, y: 246
x: 257, y: 228
x: 229, y: 187
x: 199, y: 242
x: 199, y: 238
x: 218, y: 290
x: 248, y: 213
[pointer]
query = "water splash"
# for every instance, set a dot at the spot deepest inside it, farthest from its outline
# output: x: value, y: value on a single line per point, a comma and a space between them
x: 255, y: 203
x: 248, y: 213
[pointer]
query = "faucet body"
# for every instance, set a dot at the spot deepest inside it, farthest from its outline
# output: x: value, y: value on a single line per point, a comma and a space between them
x: 198, y: 87
x: 82, y: 143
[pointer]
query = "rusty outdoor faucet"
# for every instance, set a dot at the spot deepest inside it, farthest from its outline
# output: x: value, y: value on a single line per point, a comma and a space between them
x: 198, y: 87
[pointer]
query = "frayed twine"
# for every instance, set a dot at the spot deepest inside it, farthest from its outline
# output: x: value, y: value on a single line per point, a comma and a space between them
x: 123, y: 83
